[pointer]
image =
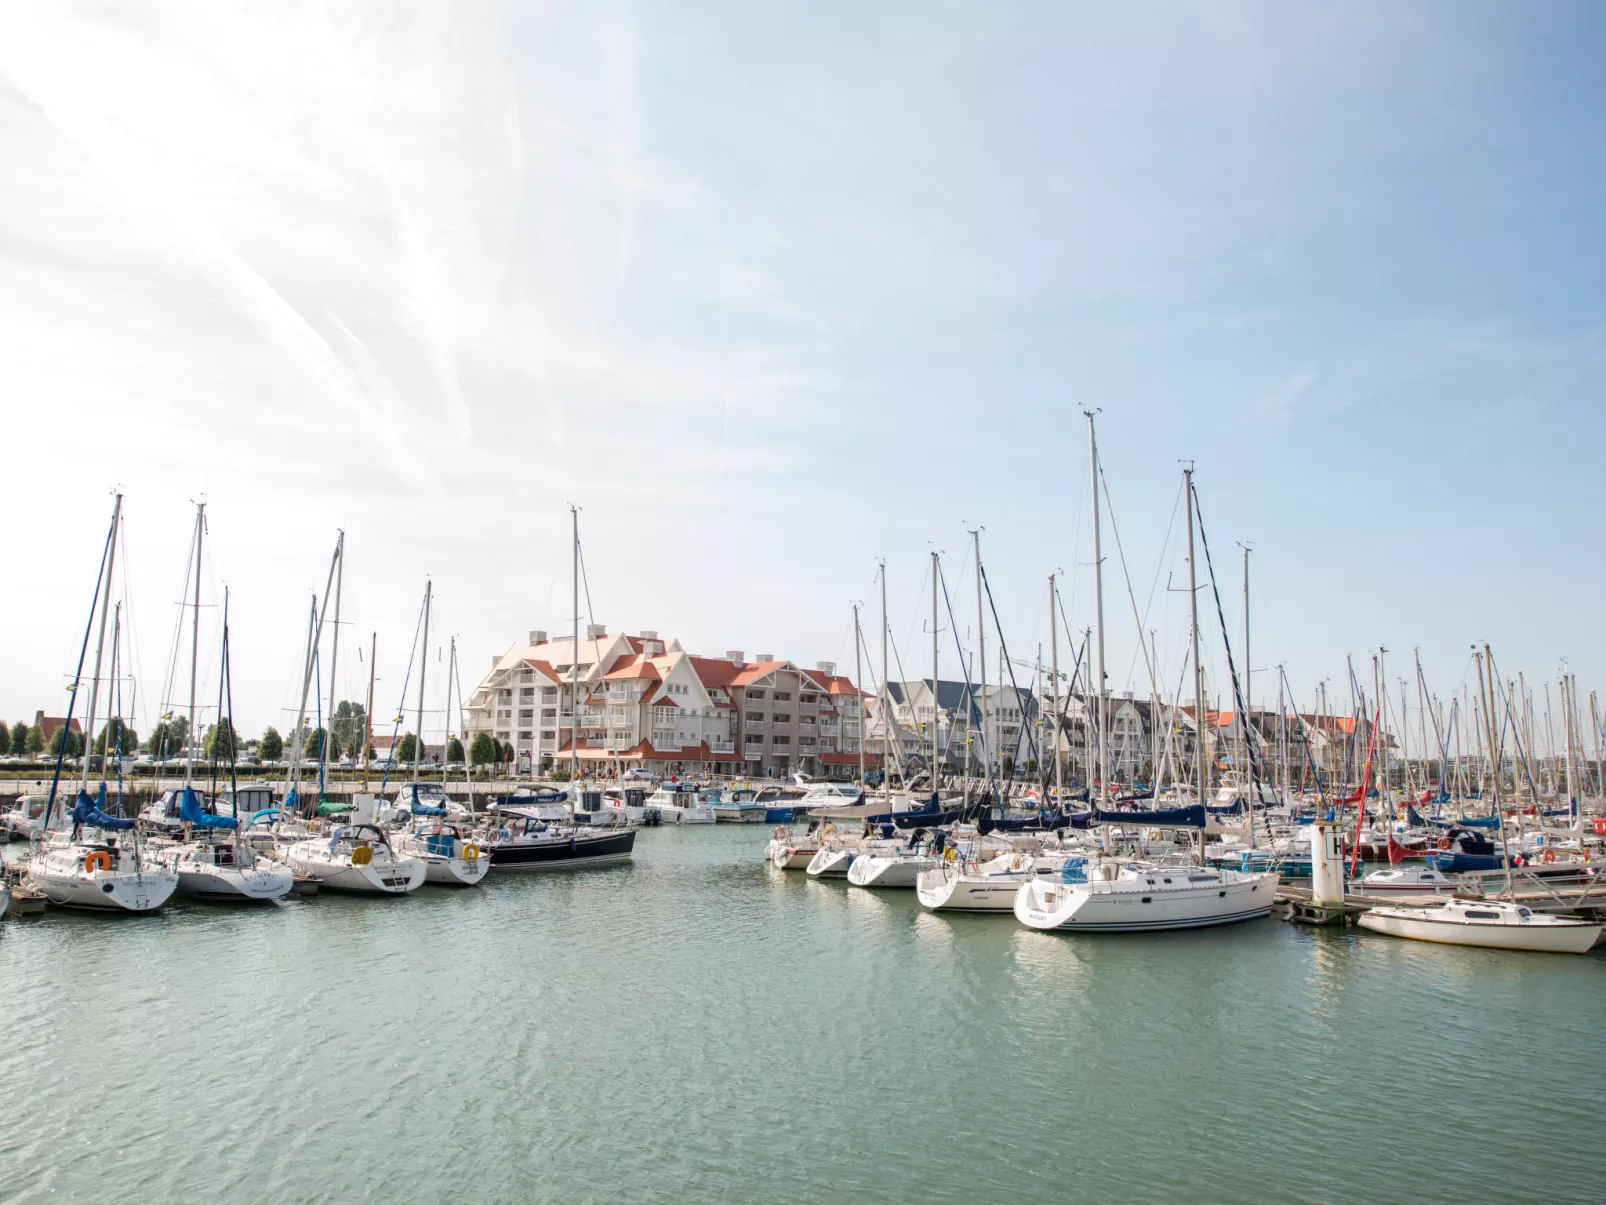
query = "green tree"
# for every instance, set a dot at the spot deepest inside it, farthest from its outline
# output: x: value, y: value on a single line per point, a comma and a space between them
x: 271, y: 746
x: 222, y: 741
x: 73, y: 740
x: 314, y: 745
x: 348, y: 724
x: 454, y: 749
x: 36, y: 741
x: 482, y: 749
x: 169, y: 737
x: 116, y: 737
x: 407, y: 747
x: 19, y: 739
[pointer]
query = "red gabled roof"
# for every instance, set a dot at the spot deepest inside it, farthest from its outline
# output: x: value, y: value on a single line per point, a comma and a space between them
x: 752, y: 673
x: 49, y: 723
x: 714, y: 673
x: 832, y: 684
x: 637, y: 667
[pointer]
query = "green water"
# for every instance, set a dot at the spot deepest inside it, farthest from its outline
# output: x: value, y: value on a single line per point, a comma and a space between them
x: 700, y: 1027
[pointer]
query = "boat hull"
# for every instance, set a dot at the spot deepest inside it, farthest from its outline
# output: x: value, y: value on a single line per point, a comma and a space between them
x: 889, y: 872
x: 1084, y: 908
x: 563, y: 853
x: 1577, y: 938
x: 235, y: 886
x: 454, y: 872
x: 830, y: 864
x: 104, y: 891
x: 947, y: 890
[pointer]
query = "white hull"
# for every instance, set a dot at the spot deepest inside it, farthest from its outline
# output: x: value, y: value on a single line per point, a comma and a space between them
x: 898, y: 870
x: 379, y: 877
x: 225, y: 883
x: 783, y: 856
x: 1575, y: 937
x: 454, y: 872
x: 830, y: 864
x: 1124, y: 906
x: 144, y: 890
x: 946, y: 889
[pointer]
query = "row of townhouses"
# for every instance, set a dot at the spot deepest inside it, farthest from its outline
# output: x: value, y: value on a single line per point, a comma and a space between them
x: 1013, y: 728
x: 647, y: 703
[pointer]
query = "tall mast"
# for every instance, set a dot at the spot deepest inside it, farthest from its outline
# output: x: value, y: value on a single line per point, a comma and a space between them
x: 1098, y: 611
x: 334, y: 648
x: 1569, y: 685
x: 1054, y: 686
x: 858, y: 698
x: 314, y: 640
x: 981, y: 652
x: 1200, y: 718
x: 195, y: 641
x: 1249, y: 681
x: 104, y: 602
x: 368, y: 711
x: 935, y: 677
x: 574, y: 661
x: 423, y: 669
x: 887, y: 723
x: 1486, y: 663
x: 1380, y: 690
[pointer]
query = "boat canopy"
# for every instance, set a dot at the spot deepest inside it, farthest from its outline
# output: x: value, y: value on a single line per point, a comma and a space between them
x: 1479, y: 821
x: 1192, y: 816
x: 88, y: 811
x: 189, y: 811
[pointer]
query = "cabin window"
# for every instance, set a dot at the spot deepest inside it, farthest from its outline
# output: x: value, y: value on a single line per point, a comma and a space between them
x: 1471, y: 915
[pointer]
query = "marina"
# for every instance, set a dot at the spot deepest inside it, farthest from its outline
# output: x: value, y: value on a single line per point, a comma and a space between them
x: 696, y: 1018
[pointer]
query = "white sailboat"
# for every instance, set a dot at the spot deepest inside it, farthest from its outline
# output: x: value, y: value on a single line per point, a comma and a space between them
x: 97, y: 863
x: 1107, y: 894
x: 356, y: 858
x: 1491, y: 924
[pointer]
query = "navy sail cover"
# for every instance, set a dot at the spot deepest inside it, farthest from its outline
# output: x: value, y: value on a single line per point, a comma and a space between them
x: 86, y: 811
x: 1188, y: 817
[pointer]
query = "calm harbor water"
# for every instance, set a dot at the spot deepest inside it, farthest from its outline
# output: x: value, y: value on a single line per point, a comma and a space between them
x: 699, y: 1027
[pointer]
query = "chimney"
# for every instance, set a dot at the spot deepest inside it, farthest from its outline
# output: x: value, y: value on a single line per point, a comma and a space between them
x: 765, y: 657
x: 649, y: 635
x: 734, y: 656
x: 537, y: 637
x: 828, y: 668
x: 495, y: 661
x: 595, y: 630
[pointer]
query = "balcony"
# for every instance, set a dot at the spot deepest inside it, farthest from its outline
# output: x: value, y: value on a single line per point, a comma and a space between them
x: 722, y: 746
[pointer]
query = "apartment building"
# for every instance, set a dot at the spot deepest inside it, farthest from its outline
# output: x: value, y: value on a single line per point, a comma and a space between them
x: 644, y: 702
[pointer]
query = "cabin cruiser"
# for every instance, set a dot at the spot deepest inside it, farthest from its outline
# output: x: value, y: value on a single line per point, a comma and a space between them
x: 161, y: 815
x: 526, y: 840
x: 1103, y: 895
x: 676, y: 803
x: 357, y: 858
x: 26, y: 818
x: 449, y: 856
x: 1492, y: 924
x: 92, y: 866
x: 747, y: 806
x: 1400, y: 879
x: 788, y: 850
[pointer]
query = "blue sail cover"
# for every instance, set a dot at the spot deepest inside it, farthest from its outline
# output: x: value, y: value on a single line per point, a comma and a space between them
x: 423, y: 809
x: 1188, y: 817
x: 189, y: 811
x: 87, y: 811
x: 1479, y: 822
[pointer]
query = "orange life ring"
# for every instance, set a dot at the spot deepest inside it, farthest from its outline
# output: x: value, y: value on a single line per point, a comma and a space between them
x: 1444, y: 843
x: 1548, y: 856
x: 99, y: 860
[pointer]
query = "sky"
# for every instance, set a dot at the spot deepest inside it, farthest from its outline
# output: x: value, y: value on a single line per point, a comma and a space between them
x: 775, y: 292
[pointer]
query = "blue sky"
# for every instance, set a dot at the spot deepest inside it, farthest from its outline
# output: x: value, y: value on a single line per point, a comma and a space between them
x: 774, y: 292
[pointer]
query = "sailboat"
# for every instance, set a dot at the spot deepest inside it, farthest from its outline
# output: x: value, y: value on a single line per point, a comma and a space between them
x: 97, y: 863
x: 213, y: 862
x: 1112, y: 894
x: 449, y: 857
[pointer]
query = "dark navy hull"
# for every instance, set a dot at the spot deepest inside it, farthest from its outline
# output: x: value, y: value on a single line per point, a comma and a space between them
x: 556, y: 853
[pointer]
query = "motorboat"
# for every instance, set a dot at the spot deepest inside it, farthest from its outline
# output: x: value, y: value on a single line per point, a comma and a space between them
x: 677, y: 803
x: 1116, y: 896
x: 1491, y: 924
x: 526, y: 841
x: 449, y: 856
x: 741, y: 806
x: 357, y: 858
x: 1397, y: 880
x: 25, y: 818
x: 93, y: 866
